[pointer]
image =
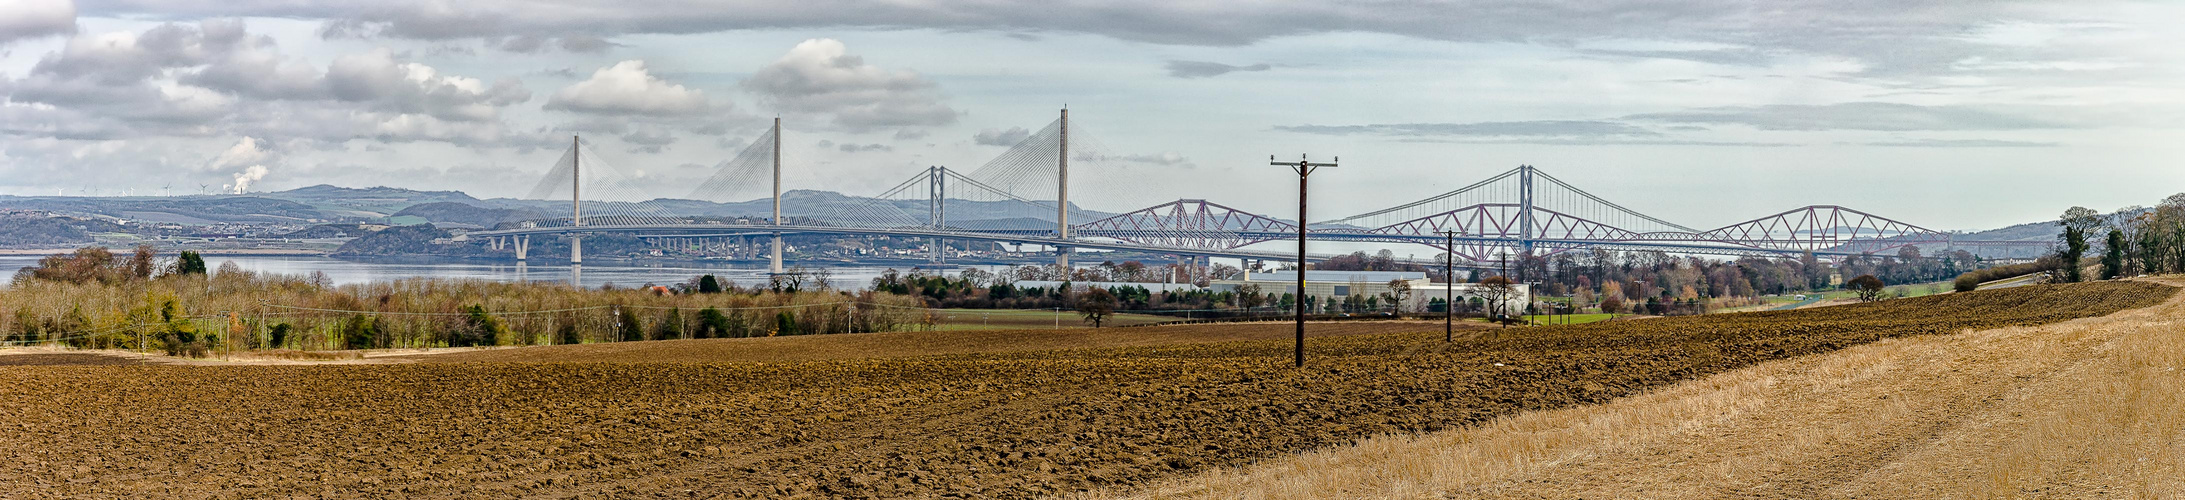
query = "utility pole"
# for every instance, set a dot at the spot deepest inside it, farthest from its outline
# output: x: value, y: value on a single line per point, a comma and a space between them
x: 1304, y: 168
x: 775, y: 268
x: 1062, y: 194
x: 1449, y: 287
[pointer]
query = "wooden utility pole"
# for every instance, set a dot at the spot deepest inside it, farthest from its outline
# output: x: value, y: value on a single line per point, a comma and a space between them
x: 1304, y: 170
x: 1449, y: 287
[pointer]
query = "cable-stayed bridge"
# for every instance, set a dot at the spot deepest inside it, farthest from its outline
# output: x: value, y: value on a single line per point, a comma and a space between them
x: 1023, y: 196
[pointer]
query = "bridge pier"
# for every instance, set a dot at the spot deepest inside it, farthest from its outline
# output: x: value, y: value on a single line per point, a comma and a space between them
x: 576, y: 251
x: 523, y: 248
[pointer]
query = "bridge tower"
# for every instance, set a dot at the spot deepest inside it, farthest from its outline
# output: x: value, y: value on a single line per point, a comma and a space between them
x: 1062, y: 193
x: 576, y: 209
x: 775, y: 266
x: 937, y: 209
x: 1525, y: 210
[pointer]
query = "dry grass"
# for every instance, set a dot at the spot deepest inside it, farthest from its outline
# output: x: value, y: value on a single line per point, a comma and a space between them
x: 2083, y: 408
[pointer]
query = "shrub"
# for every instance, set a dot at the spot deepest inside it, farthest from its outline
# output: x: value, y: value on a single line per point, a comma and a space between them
x: 360, y: 332
x: 278, y: 335
x: 1971, y: 280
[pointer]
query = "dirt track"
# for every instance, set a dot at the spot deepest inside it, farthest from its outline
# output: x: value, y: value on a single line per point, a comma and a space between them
x: 1007, y: 424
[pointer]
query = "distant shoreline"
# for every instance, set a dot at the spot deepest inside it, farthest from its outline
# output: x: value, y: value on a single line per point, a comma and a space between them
x: 260, y: 252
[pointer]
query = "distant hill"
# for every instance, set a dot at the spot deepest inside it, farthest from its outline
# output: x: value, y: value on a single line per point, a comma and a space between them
x: 366, y: 202
x: 187, y: 209
x: 454, y: 214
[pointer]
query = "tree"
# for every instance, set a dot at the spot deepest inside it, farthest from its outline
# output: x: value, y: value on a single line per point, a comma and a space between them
x: 1400, y: 293
x: 709, y: 284
x: 670, y: 326
x: 711, y: 324
x: 632, y: 328
x: 189, y: 263
x: 1867, y: 286
x: 2113, y: 256
x: 1096, y: 305
x: 480, y: 329
x: 143, y: 262
x: 1497, y: 291
x: 2077, y: 222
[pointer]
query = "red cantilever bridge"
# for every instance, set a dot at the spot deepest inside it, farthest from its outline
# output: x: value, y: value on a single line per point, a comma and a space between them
x: 1518, y: 212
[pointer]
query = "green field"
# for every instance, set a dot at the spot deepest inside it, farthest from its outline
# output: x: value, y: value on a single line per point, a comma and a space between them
x: 998, y: 319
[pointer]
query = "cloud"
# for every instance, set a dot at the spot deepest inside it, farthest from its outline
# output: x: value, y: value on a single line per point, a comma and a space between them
x: 1167, y: 159
x: 649, y: 137
x: 403, y: 87
x: 24, y: 19
x: 1001, y: 137
x: 861, y: 148
x: 819, y: 76
x: 1877, y: 116
x: 1962, y: 143
x: 1541, y: 128
x: 910, y: 134
x: 628, y: 88
x: 1203, y: 69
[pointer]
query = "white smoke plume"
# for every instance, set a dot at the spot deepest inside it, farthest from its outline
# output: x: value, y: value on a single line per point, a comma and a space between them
x: 251, y: 156
x: 247, y: 176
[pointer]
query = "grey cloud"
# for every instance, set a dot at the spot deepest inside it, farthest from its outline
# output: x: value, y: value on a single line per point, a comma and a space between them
x: 1166, y: 159
x: 1878, y: 116
x: 522, y: 44
x: 910, y: 134
x: 861, y: 148
x: 1544, y: 128
x: 1962, y: 143
x: 1001, y: 137
x: 24, y: 20
x: 586, y: 43
x: 1729, y: 57
x: 649, y: 137
x: 215, y: 78
x: 819, y: 76
x: 1892, y: 36
x: 1203, y: 69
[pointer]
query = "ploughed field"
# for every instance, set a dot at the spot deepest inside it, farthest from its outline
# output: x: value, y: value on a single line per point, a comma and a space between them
x: 981, y: 424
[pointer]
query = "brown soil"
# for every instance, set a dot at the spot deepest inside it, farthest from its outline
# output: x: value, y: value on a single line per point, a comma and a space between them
x: 899, y: 344
x: 67, y: 359
x: 1007, y: 424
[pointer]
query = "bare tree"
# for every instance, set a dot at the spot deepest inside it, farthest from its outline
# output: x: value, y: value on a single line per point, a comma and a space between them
x: 1497, y: 291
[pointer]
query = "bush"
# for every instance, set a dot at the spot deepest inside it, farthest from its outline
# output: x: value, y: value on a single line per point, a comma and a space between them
x: 1971, y: 280
x: 360, y: 332
x: 278, y: 335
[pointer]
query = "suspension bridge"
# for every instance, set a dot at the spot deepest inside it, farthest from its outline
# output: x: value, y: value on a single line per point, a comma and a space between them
x: 1022, y: 197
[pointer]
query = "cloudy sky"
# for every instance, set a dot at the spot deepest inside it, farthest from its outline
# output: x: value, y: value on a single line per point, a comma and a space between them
x: 1952, y: 115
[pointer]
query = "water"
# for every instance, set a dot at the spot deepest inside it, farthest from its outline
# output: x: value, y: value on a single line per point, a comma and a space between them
x: 592, y: 275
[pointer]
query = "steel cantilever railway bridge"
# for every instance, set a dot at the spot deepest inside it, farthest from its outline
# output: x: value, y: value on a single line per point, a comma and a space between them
x: 1523, y: 211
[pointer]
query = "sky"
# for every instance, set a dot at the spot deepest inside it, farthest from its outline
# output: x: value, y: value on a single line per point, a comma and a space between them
x: 1948, y: 115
